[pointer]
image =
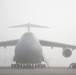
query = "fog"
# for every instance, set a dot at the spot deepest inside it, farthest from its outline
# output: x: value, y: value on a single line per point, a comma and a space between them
x: 59, y: 15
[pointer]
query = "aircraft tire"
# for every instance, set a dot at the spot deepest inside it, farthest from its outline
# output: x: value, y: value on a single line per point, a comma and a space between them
x: 41, y: 65
x: 17, y: 65
x: 44, y: 65
x: 32, y: 66
x: 27, y: 66
x: 12, y: 65
x: 23, y: 66
x: 36, y: 66
x: 73, y: 67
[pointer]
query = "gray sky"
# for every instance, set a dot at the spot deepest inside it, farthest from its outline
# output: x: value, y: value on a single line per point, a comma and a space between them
x: 60, y: 15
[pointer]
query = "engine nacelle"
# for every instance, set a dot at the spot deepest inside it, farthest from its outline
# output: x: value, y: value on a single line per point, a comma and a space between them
x: 67, y: 53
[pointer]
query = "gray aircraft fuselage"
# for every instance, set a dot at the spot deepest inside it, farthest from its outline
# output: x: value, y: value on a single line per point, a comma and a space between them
x: 28, y: 49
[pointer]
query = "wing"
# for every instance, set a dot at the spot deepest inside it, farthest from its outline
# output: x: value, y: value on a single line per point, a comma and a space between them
x: 55, y: 44
x: 9, y: 43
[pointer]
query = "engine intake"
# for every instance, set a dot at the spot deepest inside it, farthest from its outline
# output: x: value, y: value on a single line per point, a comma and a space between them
x: 67, y: 53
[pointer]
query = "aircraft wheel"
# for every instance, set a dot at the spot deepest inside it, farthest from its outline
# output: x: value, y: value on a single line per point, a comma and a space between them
x: 36, y: 65
x: 32, y: 66
x: 27, y: 66
x: 12, y: 65
x: 23, y: 66
x: 20, y: 66
x: 73, y: 67
x: 41, y: 65
x: 44, y: 65
x: 17, y: 65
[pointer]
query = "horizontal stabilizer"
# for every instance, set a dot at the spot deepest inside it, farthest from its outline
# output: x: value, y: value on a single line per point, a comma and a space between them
x: 29, y: 26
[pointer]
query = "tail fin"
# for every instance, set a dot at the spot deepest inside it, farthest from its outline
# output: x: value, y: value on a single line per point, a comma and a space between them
x: 29, y: 26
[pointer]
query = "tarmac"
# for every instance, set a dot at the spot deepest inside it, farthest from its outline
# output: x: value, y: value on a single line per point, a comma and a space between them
x: 47, y: 71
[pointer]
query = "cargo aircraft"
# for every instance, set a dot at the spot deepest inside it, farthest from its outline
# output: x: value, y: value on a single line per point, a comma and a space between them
x: 28, y: 50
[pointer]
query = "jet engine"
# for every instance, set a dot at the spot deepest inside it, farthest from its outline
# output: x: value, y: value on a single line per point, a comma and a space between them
x: 67, y: 53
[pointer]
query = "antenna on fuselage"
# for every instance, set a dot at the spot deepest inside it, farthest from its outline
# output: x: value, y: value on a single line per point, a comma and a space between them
x: 28, y: 25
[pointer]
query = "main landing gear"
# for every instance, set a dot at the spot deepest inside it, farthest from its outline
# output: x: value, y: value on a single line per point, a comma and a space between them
x: 28, y: 66
x: 72, y: 66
